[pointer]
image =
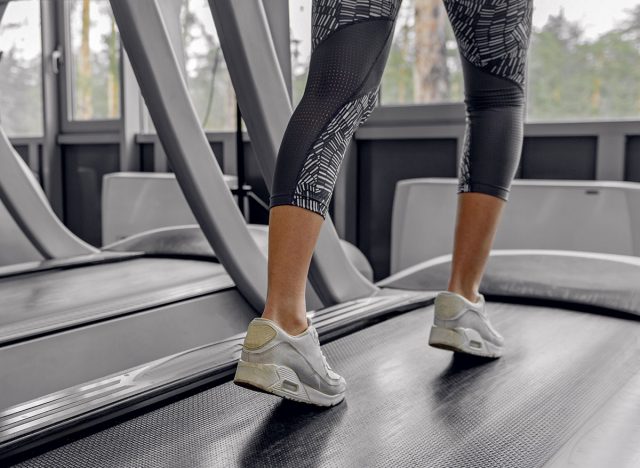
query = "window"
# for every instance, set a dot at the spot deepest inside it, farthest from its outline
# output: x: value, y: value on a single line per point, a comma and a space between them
x: 584, y: 61
x: 21, y: 70
x: 402, y: 82
x: 94, y: 55
x: 206, y: 70
x: 300, y: 34
x: 423, y: 65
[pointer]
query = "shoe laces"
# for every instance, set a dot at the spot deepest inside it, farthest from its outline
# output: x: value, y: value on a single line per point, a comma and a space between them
x: 314, y: 334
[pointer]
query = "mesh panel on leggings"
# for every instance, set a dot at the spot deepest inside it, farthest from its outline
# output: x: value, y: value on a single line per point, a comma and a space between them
x: 407, y: 404
x: 345, y: 68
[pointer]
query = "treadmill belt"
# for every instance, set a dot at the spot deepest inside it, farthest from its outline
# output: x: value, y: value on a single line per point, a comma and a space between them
x: 407, y: 404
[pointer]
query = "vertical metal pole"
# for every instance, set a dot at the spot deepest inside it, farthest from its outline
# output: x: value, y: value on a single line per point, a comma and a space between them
x: 240, y: 163
x: 51, y: 169
x: 130, y: 113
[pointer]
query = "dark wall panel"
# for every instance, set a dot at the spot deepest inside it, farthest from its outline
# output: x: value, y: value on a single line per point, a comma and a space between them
x: 253, y: 177
x: 147, y: 163
x: 572, y: 158
x: 632, y: 167
x: 218, y: 151
x: 23, y: 151
x: 83, y: 168
x: 381, y: 164
x: 146, y: 157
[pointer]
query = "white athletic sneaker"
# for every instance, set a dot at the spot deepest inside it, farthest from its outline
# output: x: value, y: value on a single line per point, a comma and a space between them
x: 463, y: 326
x: 291, y: 367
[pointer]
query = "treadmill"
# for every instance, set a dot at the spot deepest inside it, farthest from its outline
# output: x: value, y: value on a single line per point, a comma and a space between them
x: 86, y: 333
x: 566, y: 392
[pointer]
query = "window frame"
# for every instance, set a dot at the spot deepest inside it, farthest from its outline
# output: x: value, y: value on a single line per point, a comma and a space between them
x: 4, y: 7
x: 67, y: 123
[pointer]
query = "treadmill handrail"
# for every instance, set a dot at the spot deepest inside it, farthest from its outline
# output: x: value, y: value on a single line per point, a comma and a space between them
x: 28, y: 205
x: 153, y: 59
x: 262, y: 94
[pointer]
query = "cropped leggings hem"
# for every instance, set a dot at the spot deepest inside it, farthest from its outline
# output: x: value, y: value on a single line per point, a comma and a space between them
x: 318, y: 205
x: 487, y: 189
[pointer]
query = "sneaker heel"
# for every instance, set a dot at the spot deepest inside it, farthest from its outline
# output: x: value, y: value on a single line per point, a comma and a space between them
x: 261, y: 376
x: 270, y: 378
x: 446, y: 338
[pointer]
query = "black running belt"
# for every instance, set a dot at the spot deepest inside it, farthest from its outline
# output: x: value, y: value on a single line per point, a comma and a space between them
x: 407, y: 404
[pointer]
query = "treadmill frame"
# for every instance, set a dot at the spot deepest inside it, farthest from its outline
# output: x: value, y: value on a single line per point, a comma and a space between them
x: 142, y: 30
x: 41, y: 422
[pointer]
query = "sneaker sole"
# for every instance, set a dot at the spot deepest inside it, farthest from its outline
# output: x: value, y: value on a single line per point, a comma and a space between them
x: 281, y: 381
x: 463, y: 340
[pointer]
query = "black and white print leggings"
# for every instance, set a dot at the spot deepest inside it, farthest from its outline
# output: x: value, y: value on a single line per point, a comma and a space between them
x: 351, y: 43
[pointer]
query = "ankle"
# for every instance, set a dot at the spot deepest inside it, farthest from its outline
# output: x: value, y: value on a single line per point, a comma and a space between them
x: 292, y: 322
x: 470, y: 294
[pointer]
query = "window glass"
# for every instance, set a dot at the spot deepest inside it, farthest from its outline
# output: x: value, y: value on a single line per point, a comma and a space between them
x: 95, y: 61
x: 423, y: 64
x: 401, y: 83
x: 206, y: 70
x: 21, y: 70
x: 300, y: 37
x: 584, y: 61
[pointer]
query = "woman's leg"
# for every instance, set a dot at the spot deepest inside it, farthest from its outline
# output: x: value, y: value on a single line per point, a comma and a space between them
x: 351, y: 41
x: 293, y: 233
x: 477, y: 222
x: 493, y: 38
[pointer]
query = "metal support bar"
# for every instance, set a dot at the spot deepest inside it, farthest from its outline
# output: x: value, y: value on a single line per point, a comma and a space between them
x: 155, y: 65
x: 3, y: 8
x: 278, y: 17
x: 262, y: 95
x: 130, y: 120
x: 27, y: 203
x: 170, y: 10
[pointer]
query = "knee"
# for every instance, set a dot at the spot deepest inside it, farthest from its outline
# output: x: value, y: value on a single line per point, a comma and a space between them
x: 350, y: 61
x: 484, y: 90
x: 509, y: 96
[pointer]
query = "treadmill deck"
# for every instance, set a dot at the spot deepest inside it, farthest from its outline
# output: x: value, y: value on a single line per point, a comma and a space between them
x: 47, y: 301
x: 407, y: 404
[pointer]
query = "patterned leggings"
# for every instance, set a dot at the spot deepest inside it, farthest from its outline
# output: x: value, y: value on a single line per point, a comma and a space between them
x: 351, y: 43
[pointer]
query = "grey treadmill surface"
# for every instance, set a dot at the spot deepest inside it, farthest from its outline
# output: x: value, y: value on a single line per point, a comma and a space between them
x: 407, y: 404
x: 600, y: 280
x: 45, y: 301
